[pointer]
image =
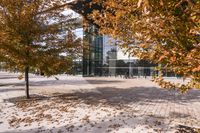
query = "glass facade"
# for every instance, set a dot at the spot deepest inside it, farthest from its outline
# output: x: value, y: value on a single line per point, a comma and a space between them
x: 93, y: 53
x: 102, y: 57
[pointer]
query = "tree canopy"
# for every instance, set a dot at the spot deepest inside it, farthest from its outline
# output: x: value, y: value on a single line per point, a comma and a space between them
x: 31, y: 40
x: 27, y: 38
x: 166, y: 32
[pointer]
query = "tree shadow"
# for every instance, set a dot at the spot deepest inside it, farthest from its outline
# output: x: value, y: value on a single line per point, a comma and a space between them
x: 116, y: 98
x: 93, y: 81
x: 8, y: 77
x: 34, y: 97
x: 104, y: 125
x: 158, y: 124
x: 10, y: 90
x: 133, y: 94
x: 71, y: 82
x: 179, y: 115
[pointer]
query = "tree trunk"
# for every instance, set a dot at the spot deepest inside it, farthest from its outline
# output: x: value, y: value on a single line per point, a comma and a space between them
x: 27, y: 82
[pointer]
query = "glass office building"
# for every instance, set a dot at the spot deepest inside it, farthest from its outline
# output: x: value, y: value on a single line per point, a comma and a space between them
x: 92, y: 53
x: 102, y: 57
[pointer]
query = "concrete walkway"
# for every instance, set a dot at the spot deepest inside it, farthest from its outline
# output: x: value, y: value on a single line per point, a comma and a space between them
x: 95, y: 105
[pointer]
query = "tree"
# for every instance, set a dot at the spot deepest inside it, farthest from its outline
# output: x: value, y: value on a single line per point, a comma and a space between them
x: 166, y: 32
x: 31, y: 40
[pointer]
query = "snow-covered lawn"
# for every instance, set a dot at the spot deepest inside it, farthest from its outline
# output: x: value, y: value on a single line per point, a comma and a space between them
x: 94, y: 105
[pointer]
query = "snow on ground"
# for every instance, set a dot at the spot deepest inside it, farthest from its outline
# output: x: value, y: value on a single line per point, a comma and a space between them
x: 95, y: 105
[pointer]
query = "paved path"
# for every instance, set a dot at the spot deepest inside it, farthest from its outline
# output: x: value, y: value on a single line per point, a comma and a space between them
x: 112, y: 104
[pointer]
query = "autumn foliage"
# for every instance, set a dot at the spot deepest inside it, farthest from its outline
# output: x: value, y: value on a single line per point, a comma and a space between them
x: 166, y: 32
x: 34, y: 40
x: 28, y: 38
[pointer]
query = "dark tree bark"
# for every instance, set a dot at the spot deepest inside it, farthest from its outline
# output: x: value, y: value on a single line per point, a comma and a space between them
x: 27, y: 82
